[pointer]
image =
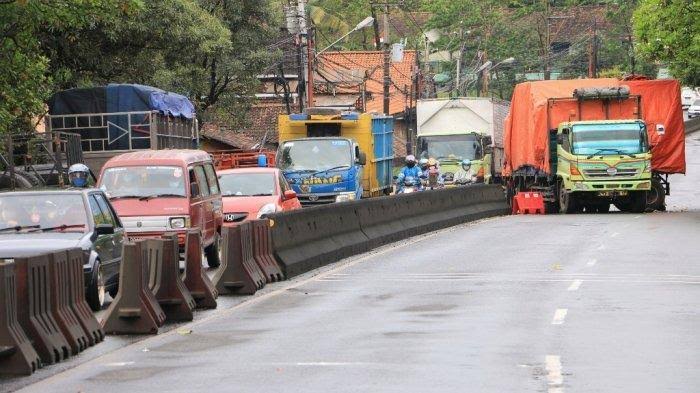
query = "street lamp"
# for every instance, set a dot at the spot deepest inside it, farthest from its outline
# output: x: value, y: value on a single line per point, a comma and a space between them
x: 363, y: 24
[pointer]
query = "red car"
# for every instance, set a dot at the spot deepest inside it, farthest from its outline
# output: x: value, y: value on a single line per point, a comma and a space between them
x: 252, y: 193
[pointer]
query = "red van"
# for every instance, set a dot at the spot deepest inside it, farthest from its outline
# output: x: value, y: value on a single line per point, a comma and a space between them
x: 160, y: 191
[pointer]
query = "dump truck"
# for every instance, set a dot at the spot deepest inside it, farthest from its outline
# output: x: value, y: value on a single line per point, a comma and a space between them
x: 119, y: 118
x: 454, y: 129
x: 331, y: 156
x: 586, y: 144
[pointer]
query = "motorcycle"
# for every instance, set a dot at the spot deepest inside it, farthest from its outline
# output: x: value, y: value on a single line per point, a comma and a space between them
x: 410, y: 185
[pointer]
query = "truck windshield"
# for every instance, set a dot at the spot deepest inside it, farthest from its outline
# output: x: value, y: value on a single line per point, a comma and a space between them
x: 609, y: 139
x: 315, y: 155
x: 143, y: 182
x: 457, y: 147
x: 247, y: 184
x: 42, y: 212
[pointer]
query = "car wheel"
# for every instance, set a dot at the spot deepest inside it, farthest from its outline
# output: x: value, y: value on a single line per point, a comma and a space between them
x: 96, y: 289
x: 213, y: 253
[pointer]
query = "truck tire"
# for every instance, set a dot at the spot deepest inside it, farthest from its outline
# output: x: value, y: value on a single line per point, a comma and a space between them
x: 656, y: 197
x: 567, y: 201
x: 212, y: 253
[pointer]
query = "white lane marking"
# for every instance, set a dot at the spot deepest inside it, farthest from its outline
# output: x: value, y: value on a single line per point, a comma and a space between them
x: 332, y: 364
x: 554, y: 377
x: 636, y: 217
x: 615, y: 234
x: 559, y: 316
x: 601, y: 247
x: 592, y: 262
x: 574, y: 285
x: 119, y: 364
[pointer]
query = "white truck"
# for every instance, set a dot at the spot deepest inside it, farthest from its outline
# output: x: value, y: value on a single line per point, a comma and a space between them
x: 454, y: 129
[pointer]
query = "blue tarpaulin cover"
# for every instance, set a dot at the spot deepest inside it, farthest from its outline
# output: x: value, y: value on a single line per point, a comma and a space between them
x: 120, y: 98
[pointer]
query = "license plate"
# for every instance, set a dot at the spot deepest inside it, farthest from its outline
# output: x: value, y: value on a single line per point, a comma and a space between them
x: 612, y: 193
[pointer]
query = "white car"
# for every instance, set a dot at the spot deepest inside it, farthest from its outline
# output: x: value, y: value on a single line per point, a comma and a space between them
x: 688, y: 96
x: 694, y: 109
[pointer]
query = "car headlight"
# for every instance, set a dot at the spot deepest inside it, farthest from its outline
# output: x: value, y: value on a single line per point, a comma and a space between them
x: 267, y: 209
x: 345, y: 197
x: 179, y: 222
x: 580, y: 186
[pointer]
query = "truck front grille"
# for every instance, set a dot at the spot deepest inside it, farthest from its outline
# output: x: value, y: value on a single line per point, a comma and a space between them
x: 603, y: 173
x: 315, y: 200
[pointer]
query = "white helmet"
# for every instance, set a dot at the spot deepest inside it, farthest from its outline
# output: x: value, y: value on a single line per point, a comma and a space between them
x: 78, y: 175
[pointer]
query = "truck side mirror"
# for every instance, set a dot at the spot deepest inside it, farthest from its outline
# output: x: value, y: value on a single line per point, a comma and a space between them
x: 487, y: 141
x: 362, y: 158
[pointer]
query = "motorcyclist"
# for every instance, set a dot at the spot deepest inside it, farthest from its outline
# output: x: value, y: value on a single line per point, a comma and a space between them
x: 409, y: 170
x: 432, y: 174
x: 465, y: 174
x: 78, y: 175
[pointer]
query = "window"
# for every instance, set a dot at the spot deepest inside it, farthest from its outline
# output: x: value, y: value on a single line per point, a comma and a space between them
x: 97, y: 214
x: 211, y: 179
x: 201, y: 180
x: 108, y: 213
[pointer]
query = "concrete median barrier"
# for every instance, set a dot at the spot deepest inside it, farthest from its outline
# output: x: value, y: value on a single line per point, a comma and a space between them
x: 306, y: 239
x: 262, y: 251
x: 17, y: 356
x: 135, y: 309
x: 165, y: 282
x: 196, y: 279
x: 78, y: 304
x: 34, y: 308
x: 238, y: 273
x: 61, y: 287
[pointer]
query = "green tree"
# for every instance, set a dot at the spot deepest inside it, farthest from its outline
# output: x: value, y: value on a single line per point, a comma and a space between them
x: 25, y: 80
x: 669, y: 31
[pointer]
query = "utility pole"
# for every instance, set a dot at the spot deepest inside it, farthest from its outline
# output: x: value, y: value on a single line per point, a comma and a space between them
x: 485, y: 75
x: 426, y: 68
x: 548, y: 45
x: 307, y: 55
x: 593, y: 52
x: 387, y: 62
x: 458, y: 77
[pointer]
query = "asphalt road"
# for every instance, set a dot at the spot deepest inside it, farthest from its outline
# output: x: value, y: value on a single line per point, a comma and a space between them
x: 580, y: 303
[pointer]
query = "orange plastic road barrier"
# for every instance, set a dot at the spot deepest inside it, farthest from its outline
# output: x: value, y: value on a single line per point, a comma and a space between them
x: 135, y: 310
x: 17, y: 356
x: 262, y: 251
x: 68, y: 321
x: 34, y: 308
x: 165, y: 282
x: 78, y: 304
x: 238, y: 273
x: 196, y: 279
x: 528, y: 203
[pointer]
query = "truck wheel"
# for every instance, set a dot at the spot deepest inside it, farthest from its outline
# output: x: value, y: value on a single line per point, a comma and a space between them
x: 656, y: 197
x: 96, y: 289
x: 567, y: 201
x: 212, y: 253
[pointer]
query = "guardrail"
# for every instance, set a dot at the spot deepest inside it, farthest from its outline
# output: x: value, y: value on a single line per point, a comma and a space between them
x: 309, y: 238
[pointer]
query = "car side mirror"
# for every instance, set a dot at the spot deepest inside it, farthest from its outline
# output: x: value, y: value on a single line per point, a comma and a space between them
x: 194, y: 190
x: 362, y: 158
x: 290, y: 194
x: 104, y: 229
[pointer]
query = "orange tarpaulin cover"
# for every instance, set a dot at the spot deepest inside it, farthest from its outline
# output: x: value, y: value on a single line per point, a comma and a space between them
x: 526, y: 138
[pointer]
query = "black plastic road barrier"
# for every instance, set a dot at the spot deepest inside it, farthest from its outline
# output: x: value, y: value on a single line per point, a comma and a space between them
x: 262, y: 251
x: 61, y: 286
x: 196, y: 279
x: 135, y: 310
x: 34, y: 308
x: 17, y: 356
x: 238, y: 273
x: 308, y: 238
x: 165, y: 282
x: 78, y: 304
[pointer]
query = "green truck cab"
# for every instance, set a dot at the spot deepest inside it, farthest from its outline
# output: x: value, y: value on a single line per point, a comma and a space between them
x: 451, y: 150
x: 602, y: 162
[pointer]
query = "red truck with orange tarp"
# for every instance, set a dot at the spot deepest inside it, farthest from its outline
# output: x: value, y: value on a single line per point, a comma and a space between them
x: 588, y: 143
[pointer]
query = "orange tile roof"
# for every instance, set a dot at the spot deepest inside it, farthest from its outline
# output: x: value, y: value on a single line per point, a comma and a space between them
x: 334, y: 65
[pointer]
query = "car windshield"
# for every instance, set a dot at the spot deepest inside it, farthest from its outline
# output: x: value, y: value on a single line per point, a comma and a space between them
x: 247, y: 184
x: 315, y: 155
x: 609, y: 139
x: 35, y: 212
x: 456, y: 147
x: 143, y: 181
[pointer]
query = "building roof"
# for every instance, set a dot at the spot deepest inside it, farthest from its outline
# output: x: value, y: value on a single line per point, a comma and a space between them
x: 345, y: 70
x: 261, y: 126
